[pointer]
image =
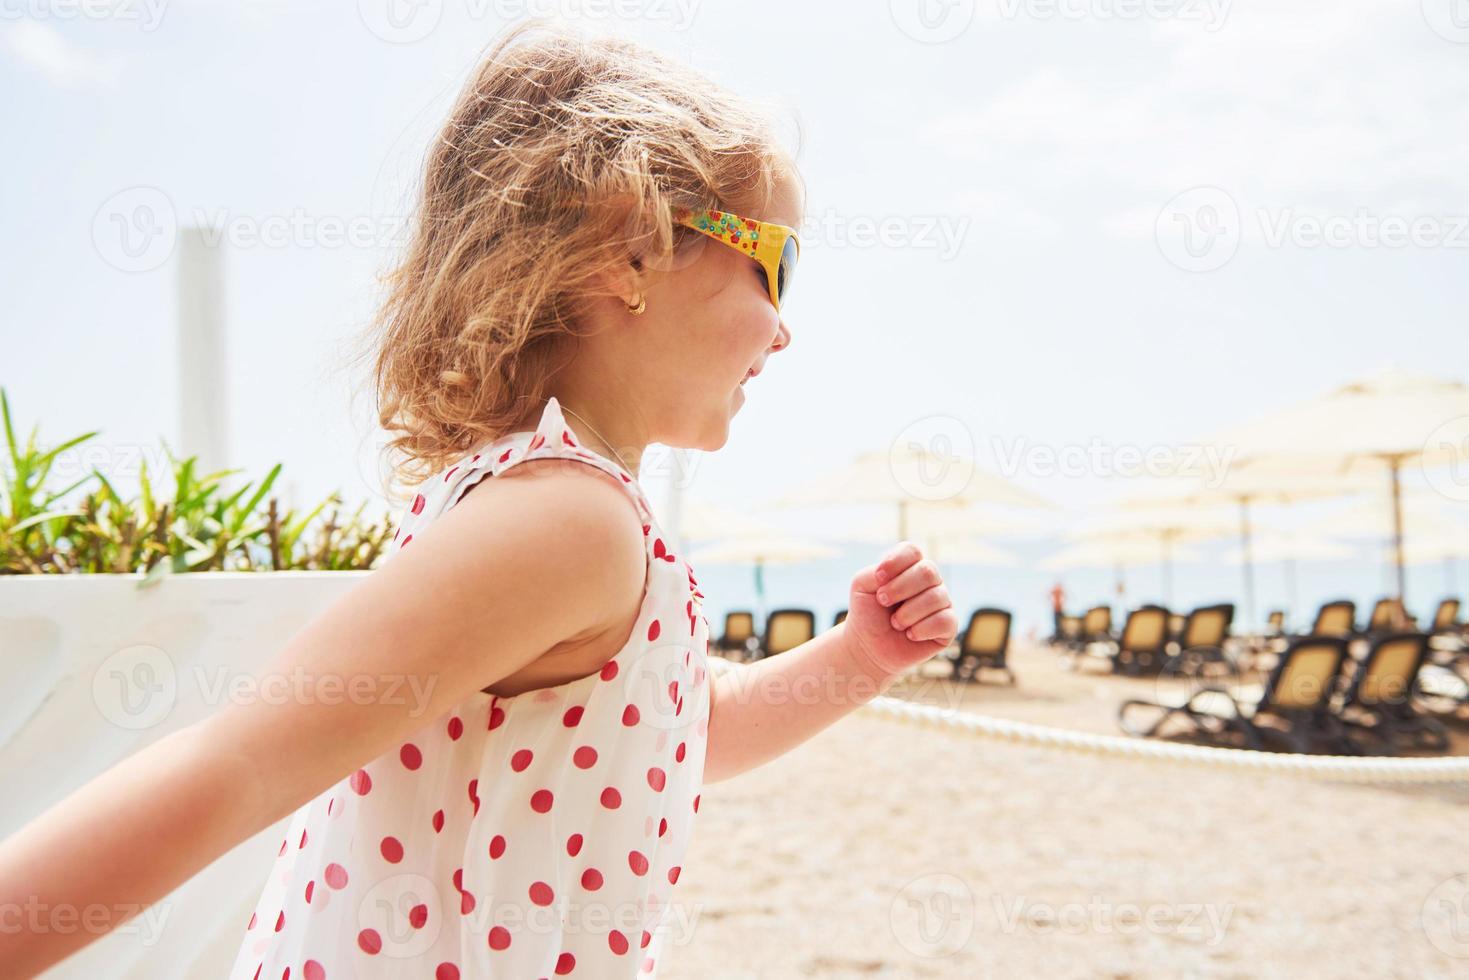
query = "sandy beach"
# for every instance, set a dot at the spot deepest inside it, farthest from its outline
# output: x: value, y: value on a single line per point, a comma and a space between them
x: 879, y: 849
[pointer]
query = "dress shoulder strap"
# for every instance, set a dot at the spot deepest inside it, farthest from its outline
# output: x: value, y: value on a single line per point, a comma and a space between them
x: 551, y: 438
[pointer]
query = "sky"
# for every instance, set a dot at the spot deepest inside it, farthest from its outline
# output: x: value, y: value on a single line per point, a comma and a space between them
x: 1072, y: 230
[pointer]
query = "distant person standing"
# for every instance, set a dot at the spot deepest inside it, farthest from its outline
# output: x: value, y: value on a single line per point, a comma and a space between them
x: 1058, y: 604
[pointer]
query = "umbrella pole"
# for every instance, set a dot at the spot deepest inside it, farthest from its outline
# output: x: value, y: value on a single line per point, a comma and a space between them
x: 902, y: 520
x: 1290, y: 574
x: 759, y: 592
x: 1397, y: 526
x: 1248, y: 563
x: 1167, y: 572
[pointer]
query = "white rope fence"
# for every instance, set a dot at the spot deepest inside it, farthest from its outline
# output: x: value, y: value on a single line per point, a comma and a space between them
x: 1354, y: 769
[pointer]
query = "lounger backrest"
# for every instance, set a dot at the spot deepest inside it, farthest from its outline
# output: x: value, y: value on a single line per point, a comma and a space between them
x: 840, y: 618
x: 738, y: 626
x: 1382, y: 614
x: 1098, y: 621
x: 1071, y: 627
x: 1176, y: 623
x: 1306, y: 674
x: 786, y: 629
x: 1388, y: 671
x: 1447, y: 615
x: 1146, y: 629
x: 1277, y: 620
x: 988, y: 632
x: 1337, y: 618
x: 1208, y: 626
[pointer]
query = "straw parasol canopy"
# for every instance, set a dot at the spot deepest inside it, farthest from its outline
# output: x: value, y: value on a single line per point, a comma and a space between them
x: 1117, y: 553
x: 1163, y: 527
x: 700, y: 520
x: 1374, y: 427
x: 910, y: 477
x: 1289, y: 548
x: 1243, y: 490
x: 761, y: 550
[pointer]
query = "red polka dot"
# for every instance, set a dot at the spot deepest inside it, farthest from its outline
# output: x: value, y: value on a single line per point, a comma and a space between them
x: 520, y: 760
x: 313, y: 970
x: 252, y: 922
x: 662, y: 826
x: 458, y: 878
x: 673, y: 691
x: 405, y: 542
x: 466, y: 903
x: 336, y: 876
x: 611, y: 799
x: 584, y: 757
x: 630, y: 715
x: 411, y: 757
x: 456, y: 728
x: 653, y: 628
x: 617, y: 942
x: 540, y: 800
x: 648, y: 965
x: 438, y: 821
x: 368, y: 939
x: 696, y: 804
x: 499, y: 938
x: 673, y: 875
x: 286, y: 974
x: 497, y: 846
x: 418, y: 916
x: 280, y: 921
x: 541, y: 893
x: 573, y: 716
x: 565, y: 963
x: 418, y: 500
x: 361, y: 782
x: 679, y: 752
x: 657, y: 779
x: 392, y: 849
x: 638, y: 861
x: 609, y: 670
x: 474, y: 794
x: 573, y: 845
x: 591, y: 879
x: 446, y: 971
x: 647, y: 938
x: 303, y: 841
x: 310, y: 887
x: 497, y: 715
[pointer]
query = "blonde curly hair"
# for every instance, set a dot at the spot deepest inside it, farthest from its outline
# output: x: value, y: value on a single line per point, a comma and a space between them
x: 562, y: 160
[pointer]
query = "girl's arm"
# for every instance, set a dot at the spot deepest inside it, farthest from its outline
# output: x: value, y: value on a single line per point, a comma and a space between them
x: 898, y: 614
x: 518, y: 566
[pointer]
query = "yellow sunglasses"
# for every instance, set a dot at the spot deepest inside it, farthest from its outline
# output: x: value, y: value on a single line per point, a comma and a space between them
x: 775, y: 247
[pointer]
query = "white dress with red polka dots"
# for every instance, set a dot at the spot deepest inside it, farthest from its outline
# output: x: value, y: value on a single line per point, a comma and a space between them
x: 531, y: 836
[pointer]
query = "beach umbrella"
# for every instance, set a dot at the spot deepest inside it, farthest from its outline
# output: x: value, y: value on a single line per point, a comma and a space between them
x: 1373, y: 427
x: 909, y: 477
x: 1118, y: 553
x: 700, y: 520
x: 760, y: 551
x: 1163, y: 527
x: 1243, y: 490
x: 1288, y: 548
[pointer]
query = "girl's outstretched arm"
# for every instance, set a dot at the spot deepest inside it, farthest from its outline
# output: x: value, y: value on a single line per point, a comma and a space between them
x: 898, y: 614
x: 514, y: 569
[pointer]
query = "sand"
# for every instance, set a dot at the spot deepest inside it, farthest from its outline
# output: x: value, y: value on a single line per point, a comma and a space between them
x: 878, y: 849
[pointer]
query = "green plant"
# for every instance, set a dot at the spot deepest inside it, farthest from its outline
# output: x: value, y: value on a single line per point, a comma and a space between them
x: 197, y: 525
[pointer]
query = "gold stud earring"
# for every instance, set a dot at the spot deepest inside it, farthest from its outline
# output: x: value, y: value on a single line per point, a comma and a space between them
x: 641, y: 305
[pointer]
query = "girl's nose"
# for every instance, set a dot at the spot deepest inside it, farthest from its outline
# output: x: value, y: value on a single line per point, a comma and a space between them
x: 782, y: 338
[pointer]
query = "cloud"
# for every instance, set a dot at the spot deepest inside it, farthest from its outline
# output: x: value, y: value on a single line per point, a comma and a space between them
x: 1305, y: 105
x: 42, y: 49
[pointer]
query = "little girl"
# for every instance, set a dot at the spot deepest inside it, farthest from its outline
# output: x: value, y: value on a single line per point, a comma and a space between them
x: 604, y: 243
